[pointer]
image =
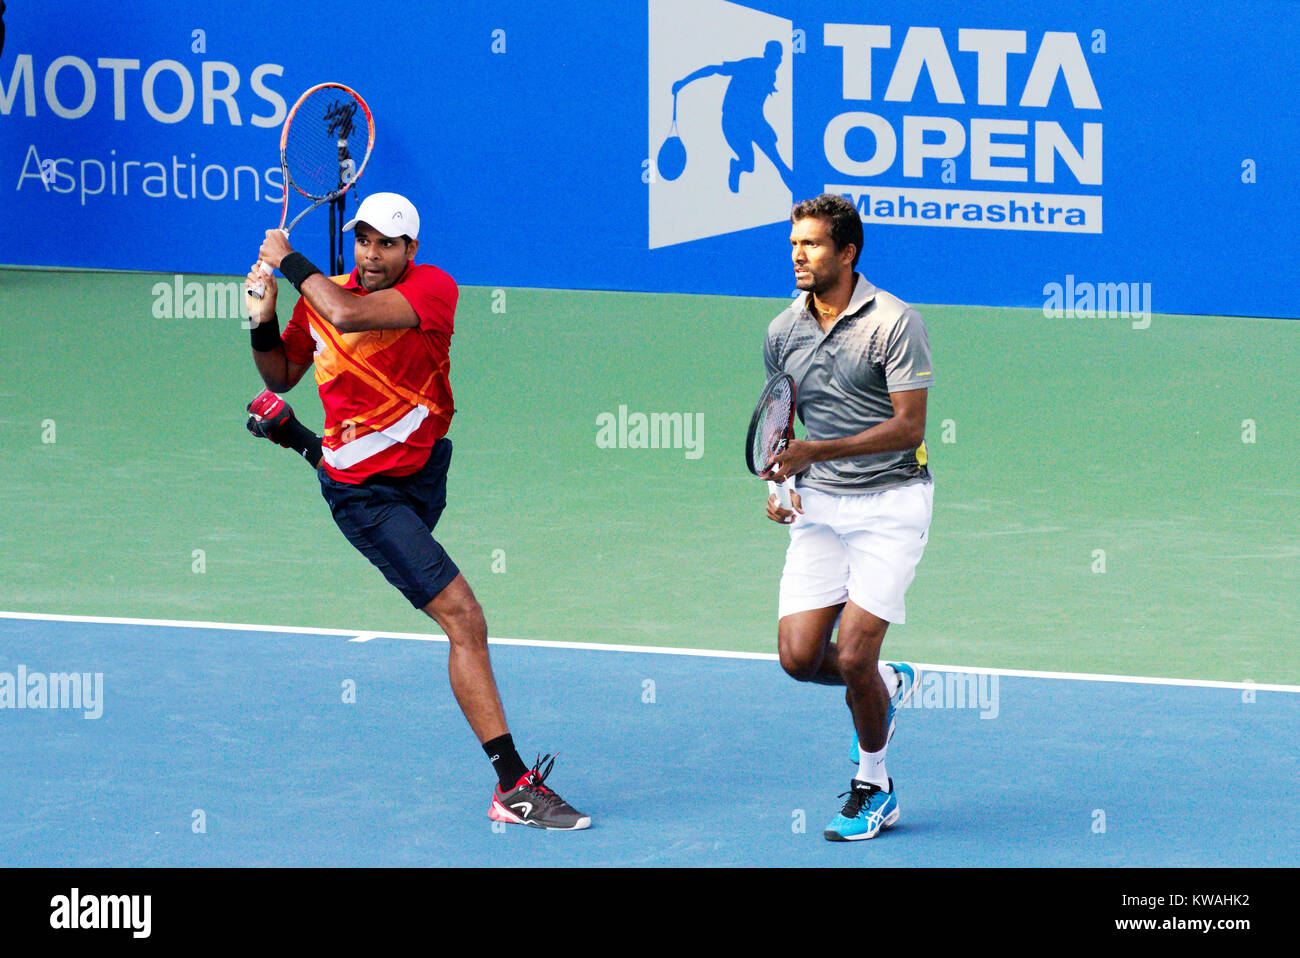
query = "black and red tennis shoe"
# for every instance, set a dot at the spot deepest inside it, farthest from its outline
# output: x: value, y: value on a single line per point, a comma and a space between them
x: 532, y: 803
x: 267, y: 415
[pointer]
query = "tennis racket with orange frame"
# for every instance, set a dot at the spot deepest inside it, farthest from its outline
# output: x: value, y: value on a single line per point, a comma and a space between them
x: 324, y: 147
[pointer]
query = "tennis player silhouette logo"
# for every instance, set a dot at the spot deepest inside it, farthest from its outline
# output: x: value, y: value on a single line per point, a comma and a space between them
x: 750, y: 82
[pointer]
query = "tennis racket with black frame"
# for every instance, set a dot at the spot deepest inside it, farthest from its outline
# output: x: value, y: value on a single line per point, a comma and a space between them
x: 770, y: 430
x: 324, y: 147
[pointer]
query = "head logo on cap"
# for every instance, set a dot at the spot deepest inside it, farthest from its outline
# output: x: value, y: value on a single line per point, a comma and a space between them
x: 390, y: 213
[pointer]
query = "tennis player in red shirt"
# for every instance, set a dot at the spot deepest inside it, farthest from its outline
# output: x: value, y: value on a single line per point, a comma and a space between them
x: 379, y: 339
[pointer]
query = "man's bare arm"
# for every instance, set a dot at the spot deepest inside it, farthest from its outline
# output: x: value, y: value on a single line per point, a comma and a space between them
x: 279, y: 374
x: 383, y: 309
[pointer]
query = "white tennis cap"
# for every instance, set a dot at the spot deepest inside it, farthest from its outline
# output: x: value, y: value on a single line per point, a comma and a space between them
x: 390, y: 213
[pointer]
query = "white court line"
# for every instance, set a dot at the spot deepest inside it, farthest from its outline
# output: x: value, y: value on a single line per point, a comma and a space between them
x: 357, y: 635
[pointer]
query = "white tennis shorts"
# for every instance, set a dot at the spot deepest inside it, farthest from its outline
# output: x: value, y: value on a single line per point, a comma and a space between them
x: 861, y: 547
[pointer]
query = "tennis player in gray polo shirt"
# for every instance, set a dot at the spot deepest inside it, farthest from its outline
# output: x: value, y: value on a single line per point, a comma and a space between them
x: 860, y: 360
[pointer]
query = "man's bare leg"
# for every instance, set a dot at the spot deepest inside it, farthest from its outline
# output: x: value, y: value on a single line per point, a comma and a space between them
x: 858, y: 661
x: 803, y: 641
x: 468, y: 664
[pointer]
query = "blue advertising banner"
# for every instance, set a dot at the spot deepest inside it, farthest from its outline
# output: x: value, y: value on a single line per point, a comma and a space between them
x: 1129, y: 155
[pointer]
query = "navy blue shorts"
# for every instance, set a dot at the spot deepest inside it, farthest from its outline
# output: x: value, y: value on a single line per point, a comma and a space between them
x: 390, y: 520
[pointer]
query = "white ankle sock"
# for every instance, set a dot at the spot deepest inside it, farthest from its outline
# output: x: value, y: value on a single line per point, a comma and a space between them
x: 871, y: 768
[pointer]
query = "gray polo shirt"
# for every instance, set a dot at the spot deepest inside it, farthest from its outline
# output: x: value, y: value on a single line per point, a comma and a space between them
x: 843, y: 379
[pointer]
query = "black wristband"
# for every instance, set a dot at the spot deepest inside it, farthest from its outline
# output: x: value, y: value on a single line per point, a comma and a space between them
x: 296, y: 268
x: 266, y: 335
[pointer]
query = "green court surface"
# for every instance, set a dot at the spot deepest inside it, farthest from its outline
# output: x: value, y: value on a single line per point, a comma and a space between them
x: 1097, y: 507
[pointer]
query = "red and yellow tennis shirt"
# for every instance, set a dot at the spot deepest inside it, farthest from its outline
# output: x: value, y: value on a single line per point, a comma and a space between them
x: 386, y: 392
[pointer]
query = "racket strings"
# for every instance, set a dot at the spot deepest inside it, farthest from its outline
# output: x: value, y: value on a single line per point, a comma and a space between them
x: 325, y: 143
x: 770, y: 436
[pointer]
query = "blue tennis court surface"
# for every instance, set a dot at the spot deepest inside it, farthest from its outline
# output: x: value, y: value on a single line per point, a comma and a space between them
x: 234, y: 747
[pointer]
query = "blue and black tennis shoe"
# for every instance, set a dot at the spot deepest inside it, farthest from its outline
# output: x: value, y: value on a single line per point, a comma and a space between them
x: 869, y: 809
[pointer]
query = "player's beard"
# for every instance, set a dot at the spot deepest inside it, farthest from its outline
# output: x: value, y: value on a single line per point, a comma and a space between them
x: 817, y: 283
x: 373, y: 283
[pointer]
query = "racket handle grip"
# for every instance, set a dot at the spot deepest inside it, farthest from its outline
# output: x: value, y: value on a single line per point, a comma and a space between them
x: 258, y: 291
x: 782, y: 491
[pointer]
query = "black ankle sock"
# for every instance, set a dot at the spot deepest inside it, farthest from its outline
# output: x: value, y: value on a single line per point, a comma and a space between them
x: 505, y: 761
x: 294, y: 435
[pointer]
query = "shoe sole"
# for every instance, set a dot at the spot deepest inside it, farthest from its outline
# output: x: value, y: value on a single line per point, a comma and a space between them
x: 499, y: 813
x: 916, y: 680
x: 889, y: 820
x: 903, y: 699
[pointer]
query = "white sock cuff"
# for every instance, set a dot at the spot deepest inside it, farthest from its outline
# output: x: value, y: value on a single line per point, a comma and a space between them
x: 871, y: 768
